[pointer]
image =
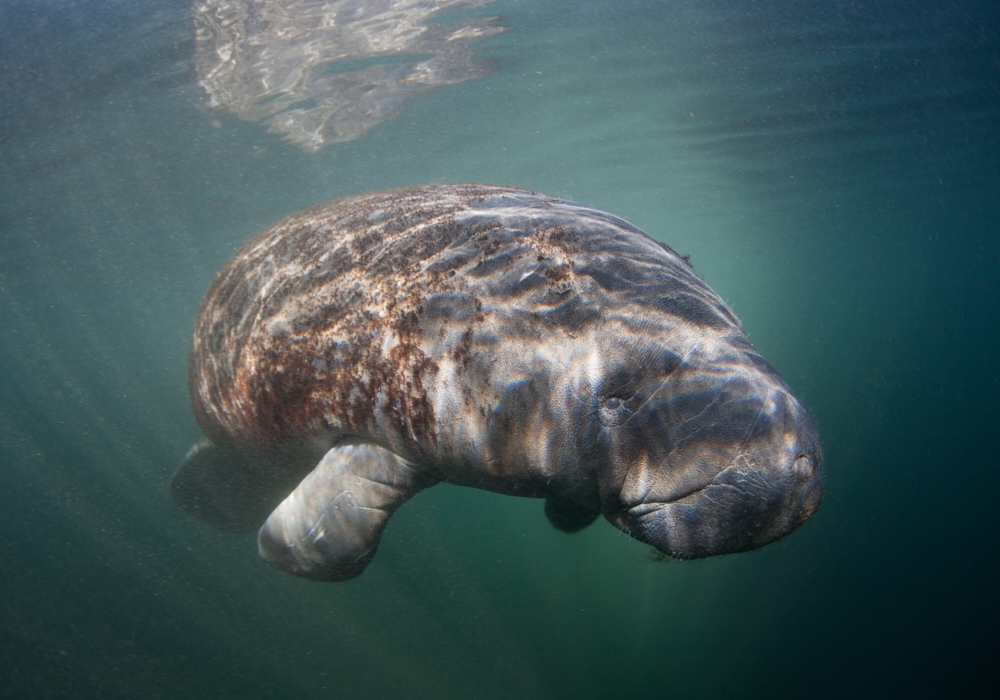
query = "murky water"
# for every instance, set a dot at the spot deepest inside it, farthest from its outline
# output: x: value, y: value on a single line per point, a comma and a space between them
x: 832, y: 168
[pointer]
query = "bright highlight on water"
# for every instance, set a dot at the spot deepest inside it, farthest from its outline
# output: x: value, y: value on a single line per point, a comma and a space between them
x: 320, y: 72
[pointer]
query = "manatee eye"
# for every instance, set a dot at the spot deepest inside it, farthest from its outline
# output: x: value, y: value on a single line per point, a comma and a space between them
x: 614, y: 410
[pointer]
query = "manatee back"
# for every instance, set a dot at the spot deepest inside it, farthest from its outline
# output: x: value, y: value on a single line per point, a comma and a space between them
x: 351, y: 306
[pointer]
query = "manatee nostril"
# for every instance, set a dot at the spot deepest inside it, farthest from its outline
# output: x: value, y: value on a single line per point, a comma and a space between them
x: 805, y: 465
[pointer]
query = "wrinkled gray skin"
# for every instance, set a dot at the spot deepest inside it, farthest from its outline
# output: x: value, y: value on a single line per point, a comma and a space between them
x: 356, y: 353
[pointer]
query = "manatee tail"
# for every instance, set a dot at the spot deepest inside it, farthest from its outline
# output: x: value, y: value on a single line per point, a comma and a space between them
x: 230, y: 489
x: 329, y: 527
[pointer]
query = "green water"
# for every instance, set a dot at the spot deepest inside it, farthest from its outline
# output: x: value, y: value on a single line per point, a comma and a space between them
x: 834, y: 172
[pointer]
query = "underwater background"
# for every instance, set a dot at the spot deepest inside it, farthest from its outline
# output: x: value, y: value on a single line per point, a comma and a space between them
x: 832, y: 168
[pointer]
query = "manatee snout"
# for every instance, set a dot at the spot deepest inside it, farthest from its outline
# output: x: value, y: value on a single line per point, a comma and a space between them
x: 748, y: 495
x: 745, y: 507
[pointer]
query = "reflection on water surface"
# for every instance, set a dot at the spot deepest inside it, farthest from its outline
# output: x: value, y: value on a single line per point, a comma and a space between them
x: 321, y: 72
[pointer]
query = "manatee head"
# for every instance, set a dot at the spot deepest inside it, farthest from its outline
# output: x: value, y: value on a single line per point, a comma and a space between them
x: 643, y: 384
x: 700, y: 448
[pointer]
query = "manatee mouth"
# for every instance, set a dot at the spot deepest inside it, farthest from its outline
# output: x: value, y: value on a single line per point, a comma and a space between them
x: 744, y: 507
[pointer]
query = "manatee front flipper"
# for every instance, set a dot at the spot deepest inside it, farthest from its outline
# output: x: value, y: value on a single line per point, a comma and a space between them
x: 568, y: 516
x: 329, y: 527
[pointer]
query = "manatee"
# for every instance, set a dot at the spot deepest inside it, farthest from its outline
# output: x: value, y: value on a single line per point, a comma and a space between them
x: 358, y: 352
